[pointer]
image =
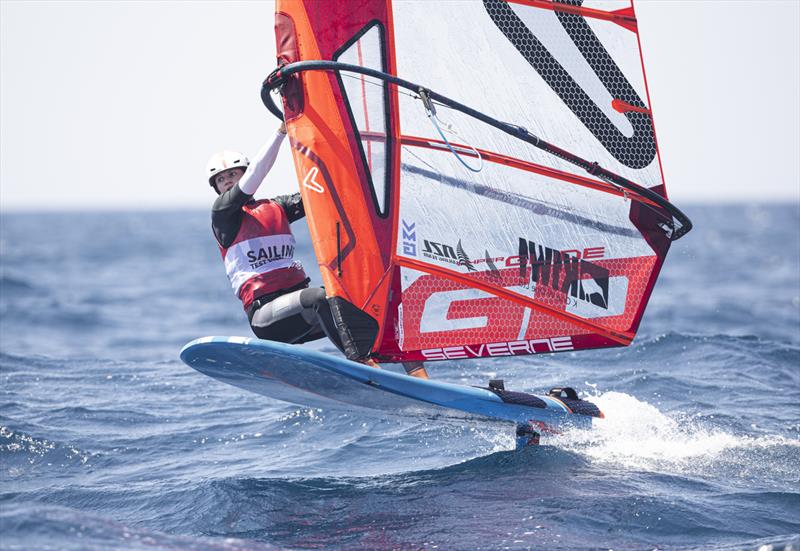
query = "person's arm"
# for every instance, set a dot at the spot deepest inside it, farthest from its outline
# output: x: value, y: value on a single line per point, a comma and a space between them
x: 226, y: 215
x: 292, y: 205
x: 262, y: 163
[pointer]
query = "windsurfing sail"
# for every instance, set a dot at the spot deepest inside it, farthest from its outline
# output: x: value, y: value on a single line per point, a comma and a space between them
x: 479, y: 178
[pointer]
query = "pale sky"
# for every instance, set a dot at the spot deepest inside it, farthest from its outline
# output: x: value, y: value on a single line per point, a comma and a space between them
x: 118, y: 105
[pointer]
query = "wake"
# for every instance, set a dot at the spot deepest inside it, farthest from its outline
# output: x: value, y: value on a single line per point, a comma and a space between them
x: 635, y: 435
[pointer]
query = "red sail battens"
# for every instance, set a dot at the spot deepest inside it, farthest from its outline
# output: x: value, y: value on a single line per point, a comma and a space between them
x: 623, y: 107
x: 489, y: 156
x: 625, y: 17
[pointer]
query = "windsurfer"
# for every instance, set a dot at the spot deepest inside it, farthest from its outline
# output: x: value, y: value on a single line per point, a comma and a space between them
x: 257, y: 247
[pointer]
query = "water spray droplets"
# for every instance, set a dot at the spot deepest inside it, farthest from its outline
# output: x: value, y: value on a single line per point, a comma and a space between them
x: 636, y: 435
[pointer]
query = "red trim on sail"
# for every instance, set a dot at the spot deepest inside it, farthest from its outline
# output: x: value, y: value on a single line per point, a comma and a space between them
x: 662, y: 189
x: 364, y: 106
x: 598, y: 185
x: 624, y: 17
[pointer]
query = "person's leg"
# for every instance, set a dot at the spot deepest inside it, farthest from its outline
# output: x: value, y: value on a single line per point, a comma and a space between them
x: 290, y: 318
x: 299, y: 317
x: 291, y: 330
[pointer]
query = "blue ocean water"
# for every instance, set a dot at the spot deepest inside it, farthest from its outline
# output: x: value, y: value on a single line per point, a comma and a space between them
x: 108, y: 441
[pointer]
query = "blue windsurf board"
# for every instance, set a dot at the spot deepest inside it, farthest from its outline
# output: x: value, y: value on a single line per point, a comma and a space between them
x: 306, y: 377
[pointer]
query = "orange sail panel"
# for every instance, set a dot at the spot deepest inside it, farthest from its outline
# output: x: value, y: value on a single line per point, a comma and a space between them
x: 440, y: 236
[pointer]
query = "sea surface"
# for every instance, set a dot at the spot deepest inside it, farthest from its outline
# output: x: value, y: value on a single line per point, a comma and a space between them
x: 107, y: 441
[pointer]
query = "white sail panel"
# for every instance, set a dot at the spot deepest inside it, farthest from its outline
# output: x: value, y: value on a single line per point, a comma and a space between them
x: 476, y: 67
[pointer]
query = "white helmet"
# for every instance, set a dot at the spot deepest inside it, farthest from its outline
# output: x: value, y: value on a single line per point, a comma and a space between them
x: 225, y: 160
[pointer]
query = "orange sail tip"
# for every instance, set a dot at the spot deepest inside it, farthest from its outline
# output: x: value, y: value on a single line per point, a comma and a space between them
x: 623, y: 107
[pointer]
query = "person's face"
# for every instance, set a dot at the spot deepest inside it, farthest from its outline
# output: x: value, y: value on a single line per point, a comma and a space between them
x: 226, y: 179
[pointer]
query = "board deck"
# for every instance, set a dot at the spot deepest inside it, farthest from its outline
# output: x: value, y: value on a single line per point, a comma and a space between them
x: 309, y: 378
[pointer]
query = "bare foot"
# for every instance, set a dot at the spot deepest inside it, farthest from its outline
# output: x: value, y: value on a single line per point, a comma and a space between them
x: 370, y: 362
x: 416, y: 369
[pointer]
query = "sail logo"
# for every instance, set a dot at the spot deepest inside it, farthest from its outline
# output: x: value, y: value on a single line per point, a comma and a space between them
x: 564, y: 272
x: 447, y: 253
x: 409, y: 238
x: 310, y: 181
x: 458, y: 256
x: 267, y: 255
x: 463, y: 258
x: 510, y: 348
x: 439, y: 251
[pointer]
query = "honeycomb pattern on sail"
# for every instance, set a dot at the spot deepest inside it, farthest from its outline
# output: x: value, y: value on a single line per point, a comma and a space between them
x: 635, y: 151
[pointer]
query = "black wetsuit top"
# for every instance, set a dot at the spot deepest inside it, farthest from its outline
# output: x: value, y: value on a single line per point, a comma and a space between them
x: 227, y: 213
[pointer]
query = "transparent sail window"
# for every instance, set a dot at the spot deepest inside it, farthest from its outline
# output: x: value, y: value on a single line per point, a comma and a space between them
x: 366, y: 99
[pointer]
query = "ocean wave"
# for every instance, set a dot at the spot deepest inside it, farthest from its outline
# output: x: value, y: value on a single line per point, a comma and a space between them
x: 717, y: 360
x: 781, y: 542
x: 744, y: 341
x: 34, y: 526
x: 17, y: 362
x: 43, y: 369
x: 41, y: 310
x: 20, y: 451
x: 17, y: 286
x: 542, y: 485
x: 103, y: 416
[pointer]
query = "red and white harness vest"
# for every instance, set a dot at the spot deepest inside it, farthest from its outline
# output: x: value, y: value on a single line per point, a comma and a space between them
x: 260, y: 260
